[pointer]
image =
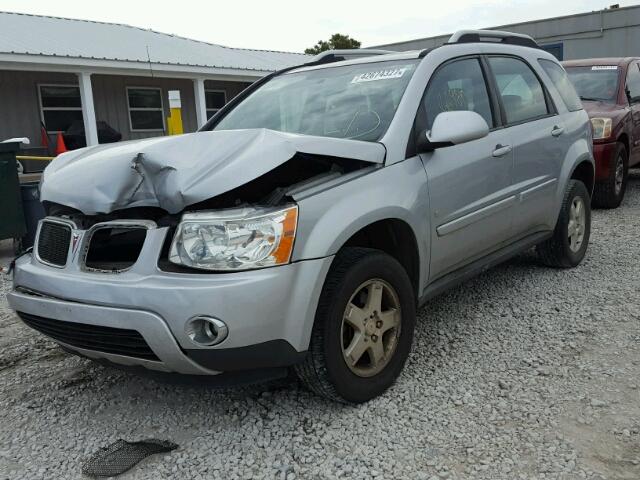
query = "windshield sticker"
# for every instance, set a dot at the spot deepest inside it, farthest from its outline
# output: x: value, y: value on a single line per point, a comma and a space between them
x: 604, y: 67
x: 380, y: 75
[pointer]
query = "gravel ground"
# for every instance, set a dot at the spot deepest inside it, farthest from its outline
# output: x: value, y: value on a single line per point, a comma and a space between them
x: 522, y: 373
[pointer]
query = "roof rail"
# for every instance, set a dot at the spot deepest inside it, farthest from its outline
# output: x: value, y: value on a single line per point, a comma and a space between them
x: 493, y: 36
x: 345, y: 54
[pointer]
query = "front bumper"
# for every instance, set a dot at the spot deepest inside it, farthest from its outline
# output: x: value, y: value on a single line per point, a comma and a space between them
x: 269, y: 312
x: 604, y: 154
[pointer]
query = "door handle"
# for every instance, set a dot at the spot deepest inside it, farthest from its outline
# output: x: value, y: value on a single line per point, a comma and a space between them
x: 501, y: 150
x: 557, y: 131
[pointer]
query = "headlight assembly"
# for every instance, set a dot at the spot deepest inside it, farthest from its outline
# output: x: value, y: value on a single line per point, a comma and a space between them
x: 601, y: 128
x: 238, y: 239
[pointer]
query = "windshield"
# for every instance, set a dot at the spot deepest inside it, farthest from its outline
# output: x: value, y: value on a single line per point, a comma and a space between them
x: 598, y: 82
x: 351, y: 101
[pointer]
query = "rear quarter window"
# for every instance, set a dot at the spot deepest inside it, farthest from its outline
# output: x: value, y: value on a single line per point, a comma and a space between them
x: 562, y: 83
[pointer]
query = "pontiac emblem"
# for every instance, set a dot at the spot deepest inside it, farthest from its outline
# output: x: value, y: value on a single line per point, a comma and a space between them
x: 74, y: 242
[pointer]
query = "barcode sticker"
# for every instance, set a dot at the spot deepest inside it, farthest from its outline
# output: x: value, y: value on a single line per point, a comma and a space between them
x: 380, y: 75
x: 604, y: 67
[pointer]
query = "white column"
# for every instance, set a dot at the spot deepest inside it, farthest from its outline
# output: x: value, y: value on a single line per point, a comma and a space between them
x: 88, y: 110
x: 201, y: 103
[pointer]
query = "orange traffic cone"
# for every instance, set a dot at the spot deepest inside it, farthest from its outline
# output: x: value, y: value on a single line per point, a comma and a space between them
x: 60, y: 146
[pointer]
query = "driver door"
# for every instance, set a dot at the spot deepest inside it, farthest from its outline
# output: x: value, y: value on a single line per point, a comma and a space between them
x: 470, y: 184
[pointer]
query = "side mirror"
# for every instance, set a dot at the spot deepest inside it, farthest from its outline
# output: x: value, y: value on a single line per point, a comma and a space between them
x: 453, y: 128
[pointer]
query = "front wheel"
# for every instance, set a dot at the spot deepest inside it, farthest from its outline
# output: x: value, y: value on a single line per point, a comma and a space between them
x: 568, y: 245
x: 363, y: 327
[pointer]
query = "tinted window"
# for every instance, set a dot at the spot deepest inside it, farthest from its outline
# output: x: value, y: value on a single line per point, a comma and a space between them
x: 561, y: 81
x: 145, y: 98
x: 60, y: 106
x: 596, y: 82
x: 60, y: 96
x: 633, y: 82
x: 459, y: 85
x: 215, y: 100
x: 145, y: 109
x: 60, y: 120
x: 521, y: 92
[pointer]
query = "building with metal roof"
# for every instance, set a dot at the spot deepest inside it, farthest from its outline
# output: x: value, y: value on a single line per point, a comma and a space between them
x: 83, y: 75
x: 612, y: 32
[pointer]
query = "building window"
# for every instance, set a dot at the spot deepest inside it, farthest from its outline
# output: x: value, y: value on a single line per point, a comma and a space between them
x: 60, y: 106
x: 215, y: 100
x: 145, y: 109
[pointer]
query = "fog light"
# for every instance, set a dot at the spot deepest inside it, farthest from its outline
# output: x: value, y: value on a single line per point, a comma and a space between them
x: 206, y: 331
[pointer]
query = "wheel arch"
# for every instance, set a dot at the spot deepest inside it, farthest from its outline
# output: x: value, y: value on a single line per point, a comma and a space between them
x: 584, y: 172
x: 624, y: 139
x: 396, y: 238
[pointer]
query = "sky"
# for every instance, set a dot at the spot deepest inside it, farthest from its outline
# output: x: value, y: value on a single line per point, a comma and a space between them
x: 293, y: 25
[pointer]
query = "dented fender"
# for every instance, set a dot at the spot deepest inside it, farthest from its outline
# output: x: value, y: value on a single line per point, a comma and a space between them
x: 329, y: 217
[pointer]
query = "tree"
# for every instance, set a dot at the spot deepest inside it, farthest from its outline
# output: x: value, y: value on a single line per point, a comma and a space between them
x: 336, y: 42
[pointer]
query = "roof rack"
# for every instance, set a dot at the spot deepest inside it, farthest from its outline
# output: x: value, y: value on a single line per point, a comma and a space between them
x: 346, y: 54
x: 493, y: 36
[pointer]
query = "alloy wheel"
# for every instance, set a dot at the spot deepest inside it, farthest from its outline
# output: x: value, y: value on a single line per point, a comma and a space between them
x: 577, y: 224
x: 371, y: 328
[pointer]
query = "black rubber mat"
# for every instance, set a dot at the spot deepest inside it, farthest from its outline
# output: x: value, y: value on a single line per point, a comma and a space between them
x: 121, y: 456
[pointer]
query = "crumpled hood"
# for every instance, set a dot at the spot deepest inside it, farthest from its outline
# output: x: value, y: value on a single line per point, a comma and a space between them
x: 174, y: 172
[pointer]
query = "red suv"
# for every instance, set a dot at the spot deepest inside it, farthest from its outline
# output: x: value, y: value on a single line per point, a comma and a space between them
x: 610, y: 91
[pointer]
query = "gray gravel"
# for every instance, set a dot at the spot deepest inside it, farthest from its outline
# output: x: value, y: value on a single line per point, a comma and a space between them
x: 522, y: 373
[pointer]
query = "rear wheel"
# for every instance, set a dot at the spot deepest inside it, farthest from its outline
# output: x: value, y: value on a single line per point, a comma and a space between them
x: 568, y: 245
x: 609, y: 194
x: 363, y: 327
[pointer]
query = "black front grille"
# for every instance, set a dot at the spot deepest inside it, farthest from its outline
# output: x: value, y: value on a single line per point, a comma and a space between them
x: 118, y: 341
x: 53, y: 243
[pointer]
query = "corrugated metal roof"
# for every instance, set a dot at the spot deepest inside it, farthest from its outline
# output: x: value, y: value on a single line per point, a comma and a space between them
x: 64, y: 37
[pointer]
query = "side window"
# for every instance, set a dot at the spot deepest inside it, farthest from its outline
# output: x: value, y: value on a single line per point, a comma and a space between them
x: 633, y: 82
x: 561, y: 81
x: 521, y: 92
x: 60, y: 106
x: 459, y: 85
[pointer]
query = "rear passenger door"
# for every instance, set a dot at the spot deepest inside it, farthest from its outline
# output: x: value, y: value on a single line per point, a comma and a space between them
x: 536, y: 133
x: 469, y: 184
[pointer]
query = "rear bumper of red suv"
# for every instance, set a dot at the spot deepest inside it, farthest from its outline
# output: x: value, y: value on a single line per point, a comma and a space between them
x: 604, y: 154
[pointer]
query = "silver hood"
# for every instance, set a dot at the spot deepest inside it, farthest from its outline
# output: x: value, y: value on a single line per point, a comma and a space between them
x: 174, y: 172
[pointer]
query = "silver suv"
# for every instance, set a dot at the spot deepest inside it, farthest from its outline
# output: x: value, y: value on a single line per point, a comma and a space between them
x: 303, y: 226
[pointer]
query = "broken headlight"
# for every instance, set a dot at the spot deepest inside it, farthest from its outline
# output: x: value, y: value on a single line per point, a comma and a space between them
x: 237, y: 239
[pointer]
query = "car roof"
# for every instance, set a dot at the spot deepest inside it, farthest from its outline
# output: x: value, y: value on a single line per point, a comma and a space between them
x: 588, y: 62
x: 413, y: 55
x: 410, y: 55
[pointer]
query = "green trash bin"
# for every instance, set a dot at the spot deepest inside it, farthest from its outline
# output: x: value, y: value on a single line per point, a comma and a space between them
x: 12, y: 222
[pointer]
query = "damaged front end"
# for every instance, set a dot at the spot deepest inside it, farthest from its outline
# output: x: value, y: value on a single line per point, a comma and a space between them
x: 122, y: 266
x: 227, y: 198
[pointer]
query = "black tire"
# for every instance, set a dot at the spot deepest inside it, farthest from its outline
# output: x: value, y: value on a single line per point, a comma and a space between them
x: 556, y: 251
x: 606, y: 194
x: 324, y: 370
